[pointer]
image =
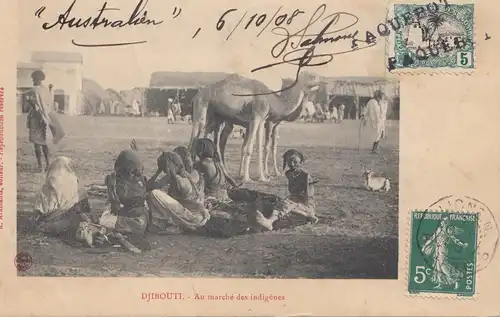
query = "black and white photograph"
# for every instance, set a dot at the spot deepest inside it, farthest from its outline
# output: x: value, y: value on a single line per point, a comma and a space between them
x: 145, y: 169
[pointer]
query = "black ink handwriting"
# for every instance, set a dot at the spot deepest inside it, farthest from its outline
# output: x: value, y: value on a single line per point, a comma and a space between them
x: 107, y: 44
x: 308, y: 59
x: 258, y: 20
x: 303, y: 43
x: 319, y: 38
x: 137, y: 17
x: 304, y: 60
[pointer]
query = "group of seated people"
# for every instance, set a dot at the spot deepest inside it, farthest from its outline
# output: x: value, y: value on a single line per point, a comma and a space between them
x: 185, y: 199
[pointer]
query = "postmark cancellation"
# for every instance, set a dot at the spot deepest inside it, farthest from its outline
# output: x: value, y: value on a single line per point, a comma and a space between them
x: 431, y: 37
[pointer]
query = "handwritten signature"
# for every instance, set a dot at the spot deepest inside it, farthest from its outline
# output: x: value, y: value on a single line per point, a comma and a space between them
x: 299, y: 48
x: 139, y: 16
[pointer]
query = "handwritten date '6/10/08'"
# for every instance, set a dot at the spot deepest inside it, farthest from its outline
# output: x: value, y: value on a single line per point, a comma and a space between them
x: 258, y: 20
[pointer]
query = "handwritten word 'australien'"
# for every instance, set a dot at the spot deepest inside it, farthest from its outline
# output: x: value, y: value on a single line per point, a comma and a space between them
x: 139, y: 16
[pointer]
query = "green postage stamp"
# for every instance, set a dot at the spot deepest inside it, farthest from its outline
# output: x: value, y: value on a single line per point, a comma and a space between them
x: 432, y: 36
x: 443, y: 253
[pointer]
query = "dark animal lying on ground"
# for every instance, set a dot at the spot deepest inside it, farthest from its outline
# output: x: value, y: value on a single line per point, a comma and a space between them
x: 264, y: 202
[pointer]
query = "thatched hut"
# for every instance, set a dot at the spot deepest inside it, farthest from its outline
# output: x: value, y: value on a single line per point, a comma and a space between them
x: 355, y: 92
x: 92, y: 96
x: 177, y: 85
x: 113, y: 104
x: 352, y: 92
x: 135, y: 95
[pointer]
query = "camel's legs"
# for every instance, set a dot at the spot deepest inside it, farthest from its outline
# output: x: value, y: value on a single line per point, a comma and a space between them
x: 217, y: 133
x: 211, y: 124
x: 267, y: 149
x: 248, y: 148
x: 219, y: 147
x: 226, y: 132
x: 245, y: 142
x: 199, y: 118
x: 260, y: 144
x: 243, y: 152
x: 274, y: 141
x: 221, y: 140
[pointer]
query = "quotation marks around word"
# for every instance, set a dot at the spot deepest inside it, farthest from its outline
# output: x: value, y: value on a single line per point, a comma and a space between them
x: 39, y: 12
x: 177, y: 12
x: 197, y: 31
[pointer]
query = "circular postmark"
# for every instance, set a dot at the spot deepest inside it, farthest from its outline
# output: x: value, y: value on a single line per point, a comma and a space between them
x: 23, y: 261
x: 487, y: 231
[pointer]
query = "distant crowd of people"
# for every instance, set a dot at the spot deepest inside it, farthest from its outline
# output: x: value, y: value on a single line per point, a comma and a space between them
x: 335, y: 113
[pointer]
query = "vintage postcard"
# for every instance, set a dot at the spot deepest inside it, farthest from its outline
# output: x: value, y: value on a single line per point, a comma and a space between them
x: 266, y: 158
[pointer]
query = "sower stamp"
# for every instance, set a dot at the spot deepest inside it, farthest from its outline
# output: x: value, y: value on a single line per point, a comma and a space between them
x: 443, y: 253
x: 431, y: 37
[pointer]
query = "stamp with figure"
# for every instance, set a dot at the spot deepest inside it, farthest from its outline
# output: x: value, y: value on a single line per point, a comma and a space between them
x: 432, y: 37
x: 443, y: 253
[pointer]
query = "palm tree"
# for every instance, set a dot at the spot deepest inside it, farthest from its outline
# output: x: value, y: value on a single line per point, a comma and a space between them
x: 435, y: 21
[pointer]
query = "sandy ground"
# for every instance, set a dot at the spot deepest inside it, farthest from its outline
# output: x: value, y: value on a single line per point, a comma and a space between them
x: 356, y: 236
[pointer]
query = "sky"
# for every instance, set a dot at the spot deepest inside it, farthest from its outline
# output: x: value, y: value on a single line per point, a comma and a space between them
x: 169, y: 45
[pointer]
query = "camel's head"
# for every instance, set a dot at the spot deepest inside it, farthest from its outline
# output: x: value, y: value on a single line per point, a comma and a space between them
x: 305, y: 86
x: 307, y: 79
x: 309, y: 84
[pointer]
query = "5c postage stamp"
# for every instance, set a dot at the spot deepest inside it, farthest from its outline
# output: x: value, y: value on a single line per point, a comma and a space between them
x: 443, y: 253
x: 431, y: 37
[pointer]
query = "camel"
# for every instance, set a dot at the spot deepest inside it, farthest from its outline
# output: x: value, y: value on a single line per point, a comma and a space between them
x: 248, y: 103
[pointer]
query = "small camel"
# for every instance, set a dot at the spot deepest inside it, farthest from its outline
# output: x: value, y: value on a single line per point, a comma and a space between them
x: 258, y: 110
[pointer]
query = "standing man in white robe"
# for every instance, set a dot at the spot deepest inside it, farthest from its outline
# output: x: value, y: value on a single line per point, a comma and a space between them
x: 334, y: 115
x: 341, y: 113
x: 375, y: 114
x: 135, y: 108
x: 170, y: 112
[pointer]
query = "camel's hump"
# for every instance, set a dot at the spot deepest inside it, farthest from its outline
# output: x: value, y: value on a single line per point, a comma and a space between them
x: 236, y: 80
x: 234, y: 76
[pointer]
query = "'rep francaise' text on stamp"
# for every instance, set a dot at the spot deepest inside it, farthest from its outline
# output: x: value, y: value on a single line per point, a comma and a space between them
x: 443, y: 253
x: 431, y: 37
